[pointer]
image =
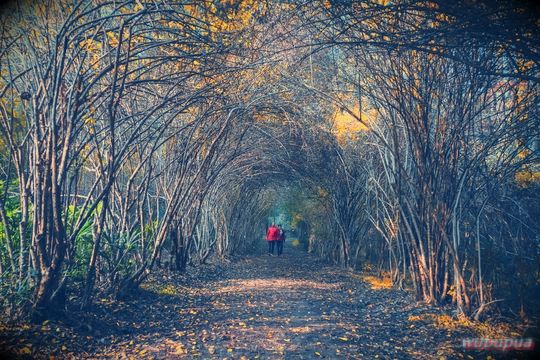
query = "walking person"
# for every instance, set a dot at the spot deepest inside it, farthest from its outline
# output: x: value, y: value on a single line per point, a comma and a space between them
x: 281, y: 240
x: 272, y: 236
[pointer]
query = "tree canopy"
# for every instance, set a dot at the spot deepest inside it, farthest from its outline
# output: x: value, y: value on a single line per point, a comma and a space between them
x: 398, y: 135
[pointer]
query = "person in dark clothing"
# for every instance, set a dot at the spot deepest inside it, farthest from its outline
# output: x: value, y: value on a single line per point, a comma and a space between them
x: 281, y: 240
x: 272, y: 236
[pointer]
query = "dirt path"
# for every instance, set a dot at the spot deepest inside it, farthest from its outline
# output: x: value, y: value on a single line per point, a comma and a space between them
x: 263, y: 307
x: 296, y: 307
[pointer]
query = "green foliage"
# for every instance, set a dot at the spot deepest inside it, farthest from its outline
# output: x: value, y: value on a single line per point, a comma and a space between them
x: 120, y: 252
x: 13, y: 213
x: 14, y: 294
x: 82, y: 246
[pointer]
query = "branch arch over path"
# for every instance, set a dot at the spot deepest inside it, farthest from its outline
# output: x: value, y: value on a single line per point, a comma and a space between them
x: 399, y: 137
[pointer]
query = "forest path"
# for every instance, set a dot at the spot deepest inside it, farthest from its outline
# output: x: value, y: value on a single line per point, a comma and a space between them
x: 295, y: 306
x: 258, y: 307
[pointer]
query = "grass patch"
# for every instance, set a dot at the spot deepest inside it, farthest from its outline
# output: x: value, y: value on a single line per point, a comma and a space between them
x: 164, y: 290
x: 481, y: 329
x: 376, y: 282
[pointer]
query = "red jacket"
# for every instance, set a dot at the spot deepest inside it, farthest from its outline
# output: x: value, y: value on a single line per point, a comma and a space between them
x: 272, y: 234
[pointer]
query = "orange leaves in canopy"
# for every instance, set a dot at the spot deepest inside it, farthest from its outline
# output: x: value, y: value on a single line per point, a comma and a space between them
x: 347, y: 124
x: 91, y: 45
x: 227, y: 15
x: 526, y: 178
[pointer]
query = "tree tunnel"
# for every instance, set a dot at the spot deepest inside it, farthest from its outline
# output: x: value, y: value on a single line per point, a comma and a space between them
x: 138, y: 136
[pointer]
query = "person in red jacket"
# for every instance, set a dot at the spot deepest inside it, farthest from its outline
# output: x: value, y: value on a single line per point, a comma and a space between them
x: 272, y: 235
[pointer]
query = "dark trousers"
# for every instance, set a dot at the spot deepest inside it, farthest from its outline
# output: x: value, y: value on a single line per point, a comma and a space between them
x: 271, y: 245
x: 280, y: 246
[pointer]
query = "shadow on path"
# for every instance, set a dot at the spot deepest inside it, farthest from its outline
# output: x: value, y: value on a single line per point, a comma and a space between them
x: 266, y: 307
